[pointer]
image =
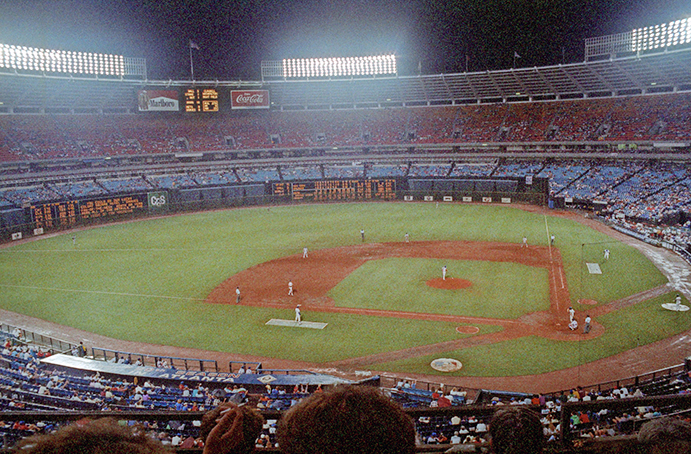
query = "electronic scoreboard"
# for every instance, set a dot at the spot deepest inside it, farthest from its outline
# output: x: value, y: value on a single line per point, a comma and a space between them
x: 59, y: 214
x: 201, y: 100
x: 323, y: 190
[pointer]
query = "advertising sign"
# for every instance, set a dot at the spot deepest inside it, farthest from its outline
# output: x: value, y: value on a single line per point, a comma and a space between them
x: 158, y: 101
x: 249, y: 99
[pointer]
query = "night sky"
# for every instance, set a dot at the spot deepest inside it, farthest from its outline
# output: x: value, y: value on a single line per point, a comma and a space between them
x: 235, y: 36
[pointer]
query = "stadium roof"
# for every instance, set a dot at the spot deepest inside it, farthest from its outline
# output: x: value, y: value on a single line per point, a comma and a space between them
x: 663, y: 72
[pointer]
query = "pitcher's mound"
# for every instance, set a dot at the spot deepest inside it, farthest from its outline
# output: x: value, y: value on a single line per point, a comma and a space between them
x: 467, y: 329
x: 588, y: 302
x: 451, y: 283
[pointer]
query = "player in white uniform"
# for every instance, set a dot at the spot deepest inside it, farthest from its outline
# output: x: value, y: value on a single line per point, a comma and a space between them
x: 572, y: 312
x: 407, y: 237
x: 304, y: 253
x: 525, y: 242
x: 443, y: 273
x: 237, y: 295
x: 677, y: 303
x: 298, y: 314
x: 290, y: 288
x: 606, y: 253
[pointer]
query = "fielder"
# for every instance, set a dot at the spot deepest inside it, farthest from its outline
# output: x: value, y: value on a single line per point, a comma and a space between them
x: 606, y: 253
x: 304, y: 253
x: 407, y: 237
x: 362, y: 234
x: 572, y: 312
x: 298, y: 314
x: 525, y: 242
x: 443, y: 273
x: 290, y: 288
x: 237, y: 295
x: 677, y: 303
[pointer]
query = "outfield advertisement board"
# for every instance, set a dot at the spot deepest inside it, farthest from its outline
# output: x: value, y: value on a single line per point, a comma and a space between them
x: 249, y: 99
x: 157, y: 201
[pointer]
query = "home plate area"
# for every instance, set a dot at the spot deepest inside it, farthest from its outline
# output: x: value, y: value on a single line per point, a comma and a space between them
x: 294, y: 324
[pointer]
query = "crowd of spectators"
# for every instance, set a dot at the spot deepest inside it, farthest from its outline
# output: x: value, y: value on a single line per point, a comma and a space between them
x: 654, y: 118
x: 27, y: 384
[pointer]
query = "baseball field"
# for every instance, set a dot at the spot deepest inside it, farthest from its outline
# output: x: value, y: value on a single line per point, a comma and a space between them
x: 502, y: 311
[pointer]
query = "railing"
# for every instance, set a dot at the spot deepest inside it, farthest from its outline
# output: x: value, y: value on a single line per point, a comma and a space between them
x: 27, y: 336
x: 633, y: 381
x: 198, y: 364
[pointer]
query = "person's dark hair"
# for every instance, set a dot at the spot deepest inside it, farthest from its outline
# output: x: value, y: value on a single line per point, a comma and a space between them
x: 347, y: 420
x: 252, y: 423
x: 666, y: 435
x: 516, y: 430
x: 93, y: 437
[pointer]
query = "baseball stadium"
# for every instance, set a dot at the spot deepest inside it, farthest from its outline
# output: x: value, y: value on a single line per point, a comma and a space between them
x: 461, y: 241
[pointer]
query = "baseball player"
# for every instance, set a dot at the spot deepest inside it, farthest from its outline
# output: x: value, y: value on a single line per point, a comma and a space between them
x: 290, y: 288
x: 237, y: 295
x: 443, y: 273
x: 677, y: 303
x: 525, y: 242
x: 551, y: 240
x: 407, y: 237
x: 606, y: 253
x: 362, y: 234
x: 298, y: 314
x: 304, y: 253
x: 586, y: 328
x: 572, y: 312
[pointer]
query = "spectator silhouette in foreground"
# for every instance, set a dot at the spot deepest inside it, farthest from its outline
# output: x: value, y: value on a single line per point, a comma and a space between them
x: 346, y: 420
x: 516, y: 430
x: 665, y: 436
x: 230, y: 429
x: 93, y: 437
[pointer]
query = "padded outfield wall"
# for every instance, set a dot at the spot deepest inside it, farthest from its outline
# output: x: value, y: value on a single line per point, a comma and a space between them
x: 43, y: 217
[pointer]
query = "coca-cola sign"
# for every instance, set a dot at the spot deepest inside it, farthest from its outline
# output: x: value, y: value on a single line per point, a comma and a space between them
x: 249, y: 99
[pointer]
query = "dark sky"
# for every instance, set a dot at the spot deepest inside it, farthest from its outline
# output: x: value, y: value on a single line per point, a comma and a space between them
x: 235, y: 36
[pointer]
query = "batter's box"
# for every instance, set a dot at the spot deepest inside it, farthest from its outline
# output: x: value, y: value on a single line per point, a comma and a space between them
x: 594, y: 268
x: 294, y: 324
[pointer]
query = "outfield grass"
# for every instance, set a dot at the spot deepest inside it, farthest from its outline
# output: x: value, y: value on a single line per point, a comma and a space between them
x: 146, y: 281
x: 625, y: 329
x: 499, y: 290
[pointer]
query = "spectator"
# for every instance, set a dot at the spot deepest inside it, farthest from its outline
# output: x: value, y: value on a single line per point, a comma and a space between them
x: 347, y: 420
x: 666, y: 435
x: 516, y: 430
x: 93, y: 437
x: 229, y: 429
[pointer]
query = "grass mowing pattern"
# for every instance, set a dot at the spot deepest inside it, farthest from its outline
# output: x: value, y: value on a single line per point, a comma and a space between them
x: 625, y: 329
x: 499, y: 290
x: 185, y: 257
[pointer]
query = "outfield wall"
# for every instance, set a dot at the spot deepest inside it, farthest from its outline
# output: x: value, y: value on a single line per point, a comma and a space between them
x: 40, y: 218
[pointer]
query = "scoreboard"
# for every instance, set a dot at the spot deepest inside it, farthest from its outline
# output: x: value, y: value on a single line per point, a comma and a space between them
x: 57, y: 214
x: 65, y: 214
x: 201, y: 100
x: 324, y: 190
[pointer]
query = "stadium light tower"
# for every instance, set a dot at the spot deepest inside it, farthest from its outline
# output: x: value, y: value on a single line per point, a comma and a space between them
x: 22, y: 58
x: 338, y: 67
x: 654, y: 38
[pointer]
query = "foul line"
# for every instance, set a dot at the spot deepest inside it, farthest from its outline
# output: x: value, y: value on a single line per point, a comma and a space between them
x: 549, y: 240
x: 100, y: 292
